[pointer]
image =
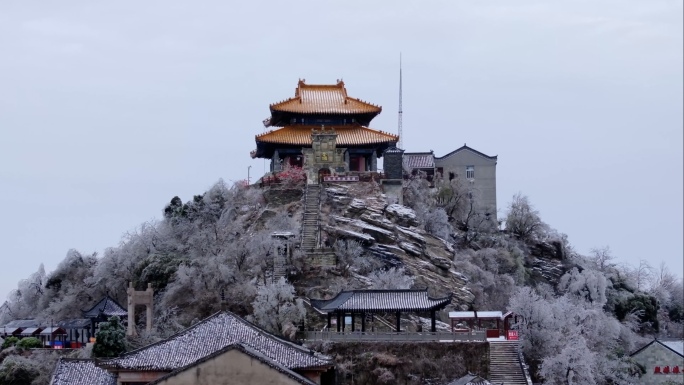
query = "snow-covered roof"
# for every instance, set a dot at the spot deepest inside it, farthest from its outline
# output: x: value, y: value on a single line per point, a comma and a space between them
x: 466, y: 148
x: 676, y: 345
x: 283, y: 234
x: 250, y: 352
x: 79, y: 323
x: 413, y: 160
x: 211, y: 335
x: 470, y: 379
x: 29, y: 331
x: 71, y: 371
x: 106, y: 307
x: 9, y: 330
x: 52, y: 330
x: 471, y: 314
x: 22, y: 323
x: 381, y: 300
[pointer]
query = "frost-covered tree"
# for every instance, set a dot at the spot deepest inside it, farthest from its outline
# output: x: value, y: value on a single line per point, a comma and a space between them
x: 18, y: 370
x: 110, y: 340
x: 276, y: 308
x: 349, y: 254
x: 588, y: 285
x: 572, y: 339
x: 393, y: 278
x: 24, y: 302
x: 523, y: 220
x: 601, y: 258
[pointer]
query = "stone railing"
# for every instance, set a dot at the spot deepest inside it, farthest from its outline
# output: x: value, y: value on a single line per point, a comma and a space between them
x: 386, y: 336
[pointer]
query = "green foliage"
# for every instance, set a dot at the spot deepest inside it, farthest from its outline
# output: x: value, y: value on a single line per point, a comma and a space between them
x: 29, y: 343
x: 676, y: 312
x: 111, y: 339
x: 10, y: 341
x: 17, y: 371
x: 645, y: 306
x: 157, y: 270
x: 176, y: 209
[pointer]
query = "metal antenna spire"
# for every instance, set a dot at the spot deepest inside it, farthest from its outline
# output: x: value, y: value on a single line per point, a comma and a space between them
x: 401, y: 136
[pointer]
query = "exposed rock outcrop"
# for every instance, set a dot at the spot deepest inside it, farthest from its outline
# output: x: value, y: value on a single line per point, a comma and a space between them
x: 389, y: 232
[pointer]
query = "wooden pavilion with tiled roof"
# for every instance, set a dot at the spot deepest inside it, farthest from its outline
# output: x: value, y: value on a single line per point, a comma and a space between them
x: 362, y: 302
x: 101, y: 312
x: 322, y: 107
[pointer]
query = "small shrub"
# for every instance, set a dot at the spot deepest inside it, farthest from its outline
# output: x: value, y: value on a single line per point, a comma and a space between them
x: 385, y: 359
x: 29, y: 343
x: 110, y: 340
x: 10, y: 341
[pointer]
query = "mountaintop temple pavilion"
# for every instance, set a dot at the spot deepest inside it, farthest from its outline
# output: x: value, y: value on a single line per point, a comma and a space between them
x: 325, y: 108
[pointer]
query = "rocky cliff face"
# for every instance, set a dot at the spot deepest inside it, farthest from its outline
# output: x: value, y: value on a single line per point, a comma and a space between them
x: 391, y: 233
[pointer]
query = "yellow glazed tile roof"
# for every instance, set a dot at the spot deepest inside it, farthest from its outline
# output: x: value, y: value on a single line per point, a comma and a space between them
x: 325, y: 99
x: 346, y: 135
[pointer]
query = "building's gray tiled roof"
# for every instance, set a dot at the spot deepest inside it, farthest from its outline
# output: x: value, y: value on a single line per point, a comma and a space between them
x: 52, y: 330
x: 250, y: 352
x: 9, y: 330
x: 30, y: 331
x: 413, y: 160
x: 107, y: 307
x: 381, y: 300
x: 211, y: 335
x: 80, y: 372
x: 22, y: 323
x: 79, y: 323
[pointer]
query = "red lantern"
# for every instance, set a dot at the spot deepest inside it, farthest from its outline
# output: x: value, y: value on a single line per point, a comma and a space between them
x: 675, y: 370
x: 656, y: 370
x: 666, y: 370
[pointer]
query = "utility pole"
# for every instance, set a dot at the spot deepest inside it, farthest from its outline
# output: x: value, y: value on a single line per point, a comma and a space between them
x: 401, y: 134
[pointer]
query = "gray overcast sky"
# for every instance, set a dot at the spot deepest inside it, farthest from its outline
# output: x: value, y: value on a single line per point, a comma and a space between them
x: 109, y: 109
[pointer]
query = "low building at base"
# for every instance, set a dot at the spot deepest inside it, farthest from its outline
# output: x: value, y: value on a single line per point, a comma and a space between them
x: 211, y: 341
x: 234, y: 364
x: 663, y: 361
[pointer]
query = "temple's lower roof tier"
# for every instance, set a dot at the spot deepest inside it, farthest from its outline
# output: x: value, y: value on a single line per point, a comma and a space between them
x: 300, y: 135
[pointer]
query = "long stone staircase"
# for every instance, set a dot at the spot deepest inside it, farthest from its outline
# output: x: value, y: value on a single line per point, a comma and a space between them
x: 279, y: 267
x: 312, y: 201
x: 504, y: 364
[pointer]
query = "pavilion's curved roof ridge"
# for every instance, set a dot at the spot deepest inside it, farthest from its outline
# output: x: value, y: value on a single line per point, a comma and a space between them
x: 370, y: 300
x: 107, y: 306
